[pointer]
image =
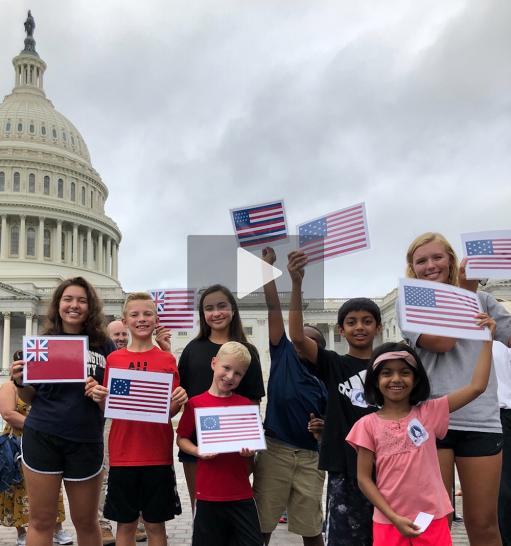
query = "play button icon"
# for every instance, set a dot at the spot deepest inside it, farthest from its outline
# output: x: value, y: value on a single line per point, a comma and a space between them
x: 252, y: 273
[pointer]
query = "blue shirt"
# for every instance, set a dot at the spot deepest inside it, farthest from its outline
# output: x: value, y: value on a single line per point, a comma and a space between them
x: 293, y: 394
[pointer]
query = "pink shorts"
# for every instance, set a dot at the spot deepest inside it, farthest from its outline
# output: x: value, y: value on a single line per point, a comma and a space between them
x: 437, y: 534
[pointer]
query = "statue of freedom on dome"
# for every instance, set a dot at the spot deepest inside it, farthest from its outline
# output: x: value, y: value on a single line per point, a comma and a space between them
x: 29, y: 25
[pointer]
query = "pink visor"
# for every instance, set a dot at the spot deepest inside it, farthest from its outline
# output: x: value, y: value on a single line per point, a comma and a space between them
x: 395, y: 355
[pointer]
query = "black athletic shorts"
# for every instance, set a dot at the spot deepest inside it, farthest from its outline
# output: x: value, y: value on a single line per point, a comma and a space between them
x: 469, y: 443
x: 147, y: 490
x: 48, y: 454
x: 226, y: 523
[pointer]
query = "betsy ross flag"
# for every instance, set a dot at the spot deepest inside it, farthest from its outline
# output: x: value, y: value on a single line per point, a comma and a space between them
x: 137, y: 395
x: 440, y: 309
x: 488, y: 253
x: 175, y: 307
x: 55, y: 359
x: 337, y: 233
x: 229, y: 429
x: 260, y: 224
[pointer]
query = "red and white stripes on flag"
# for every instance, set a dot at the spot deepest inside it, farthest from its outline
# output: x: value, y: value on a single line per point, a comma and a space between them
x: 136, y: 395
x: 175, y: 307
x: 260, y: 225
x: 488, y: 254
x: 439, y: 309
x: 337, y: 233
x: 227, y: 429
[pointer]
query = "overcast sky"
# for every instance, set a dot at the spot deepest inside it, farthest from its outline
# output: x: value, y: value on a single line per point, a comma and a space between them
x: 192, y: 108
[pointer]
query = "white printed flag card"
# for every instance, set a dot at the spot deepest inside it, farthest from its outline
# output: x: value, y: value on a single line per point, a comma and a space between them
x: 229, y: 429
x: 440, y: 309
x: 488, y: 254
x: 134, y: 395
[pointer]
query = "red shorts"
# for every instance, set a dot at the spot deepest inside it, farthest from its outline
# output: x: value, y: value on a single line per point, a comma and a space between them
x: 437, y: 534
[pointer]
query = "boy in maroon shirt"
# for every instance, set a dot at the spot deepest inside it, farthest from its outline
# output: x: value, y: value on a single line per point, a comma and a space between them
x: 225, y: 507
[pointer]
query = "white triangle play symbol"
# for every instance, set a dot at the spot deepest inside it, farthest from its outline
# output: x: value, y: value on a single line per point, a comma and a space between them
x: 252, y: 273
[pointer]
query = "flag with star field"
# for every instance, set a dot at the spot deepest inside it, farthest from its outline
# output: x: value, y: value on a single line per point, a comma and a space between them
x: 488, y: 254
x: 229, y: 429
x: 440, y: 309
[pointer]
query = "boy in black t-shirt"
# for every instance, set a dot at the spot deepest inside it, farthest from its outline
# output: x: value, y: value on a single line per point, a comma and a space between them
x: 349, y: 513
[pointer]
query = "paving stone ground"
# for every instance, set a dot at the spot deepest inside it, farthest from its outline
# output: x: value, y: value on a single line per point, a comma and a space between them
x: 179, y: 531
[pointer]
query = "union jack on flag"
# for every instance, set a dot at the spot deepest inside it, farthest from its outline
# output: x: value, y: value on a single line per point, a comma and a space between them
x: 260, y: 224
x: 175, y: 307
x: 37, y: 349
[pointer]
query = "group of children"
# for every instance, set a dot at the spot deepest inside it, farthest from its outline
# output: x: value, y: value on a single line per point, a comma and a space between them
x: 377, y: 440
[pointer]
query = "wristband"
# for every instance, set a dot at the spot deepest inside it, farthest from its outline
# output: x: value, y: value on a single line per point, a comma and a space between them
x: 20, y: 386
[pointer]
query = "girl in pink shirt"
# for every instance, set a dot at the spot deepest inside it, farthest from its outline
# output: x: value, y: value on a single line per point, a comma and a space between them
x: 400, y: 440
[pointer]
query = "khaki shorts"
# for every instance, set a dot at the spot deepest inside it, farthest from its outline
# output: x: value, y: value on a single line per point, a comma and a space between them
x: 289, y: 478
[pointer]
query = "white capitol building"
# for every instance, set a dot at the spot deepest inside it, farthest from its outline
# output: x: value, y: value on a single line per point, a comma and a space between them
x: 53, y: 225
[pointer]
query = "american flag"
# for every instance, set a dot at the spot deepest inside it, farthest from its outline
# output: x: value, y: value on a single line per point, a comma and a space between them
x: 489, y: 253
x: 335, y: 234
x: 139, y: 395
x: 175, y: 307
x: 37, y: 349
x: 229, y: 428
x: 260, y: 224
x: 441, y: 307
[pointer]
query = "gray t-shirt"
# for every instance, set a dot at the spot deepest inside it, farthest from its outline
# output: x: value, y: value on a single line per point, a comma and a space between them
x: 451, y: 370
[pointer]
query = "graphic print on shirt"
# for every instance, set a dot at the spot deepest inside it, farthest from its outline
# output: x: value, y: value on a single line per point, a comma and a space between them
x: 353, y: 389
x: 94, y: 362
x: 417, y: 433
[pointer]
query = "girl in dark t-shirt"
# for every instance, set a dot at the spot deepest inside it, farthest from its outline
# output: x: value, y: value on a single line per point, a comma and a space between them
x: 63, y: 436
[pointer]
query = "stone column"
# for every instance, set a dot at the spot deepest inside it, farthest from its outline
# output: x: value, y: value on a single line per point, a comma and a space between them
x: 6, y: 353
x: 58, y: 243
x: 331, y: 338
x: 108, y: 265
x: 3, y: 242
x: 23, y: 238
x: 90, y: 264
x: 28, y: 324
x: 35, y: 325
x: 69, y: 246
x: 75, y: 244
x: 115, y: 250
x: 40, y: 240
x: 100, y: 253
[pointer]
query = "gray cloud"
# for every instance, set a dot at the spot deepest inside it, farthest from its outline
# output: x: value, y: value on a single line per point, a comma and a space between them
x: 189, y: 110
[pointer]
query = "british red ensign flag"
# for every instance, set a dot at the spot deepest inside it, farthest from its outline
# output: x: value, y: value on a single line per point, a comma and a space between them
x: 55, y: 359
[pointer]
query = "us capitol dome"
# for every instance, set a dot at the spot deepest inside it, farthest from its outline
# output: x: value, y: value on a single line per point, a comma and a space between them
x: 53, y: 223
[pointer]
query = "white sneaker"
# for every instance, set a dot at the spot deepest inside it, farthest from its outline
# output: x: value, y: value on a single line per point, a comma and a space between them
x: 61, y: 537
x: 21, y: 540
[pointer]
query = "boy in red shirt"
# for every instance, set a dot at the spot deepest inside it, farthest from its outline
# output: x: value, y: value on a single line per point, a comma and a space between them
x: 141, y: 479
x: 225, y: 508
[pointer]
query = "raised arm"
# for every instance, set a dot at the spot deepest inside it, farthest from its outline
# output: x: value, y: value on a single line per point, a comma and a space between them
x: 275, y: 320
x: 461, y: 397
x: 365, y: 463
x: 306, y: 346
